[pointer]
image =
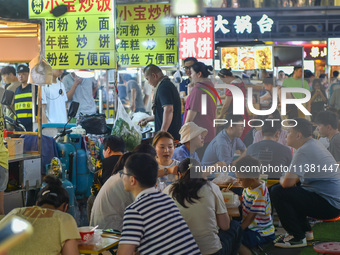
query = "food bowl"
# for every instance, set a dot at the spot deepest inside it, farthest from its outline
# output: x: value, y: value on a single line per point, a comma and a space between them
x: 85, y: 233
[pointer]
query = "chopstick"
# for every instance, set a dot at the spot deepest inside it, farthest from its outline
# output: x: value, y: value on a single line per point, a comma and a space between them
x: 230, y: 186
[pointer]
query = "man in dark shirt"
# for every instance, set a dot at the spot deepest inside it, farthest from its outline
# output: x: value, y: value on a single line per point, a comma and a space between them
x: 114, y: 147
x: 166, y: 103
x: 272, y: 154
x: 188, y: 62
x: 328, y: 127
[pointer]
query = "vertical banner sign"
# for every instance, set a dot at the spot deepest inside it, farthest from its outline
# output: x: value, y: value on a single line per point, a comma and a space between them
x: 196, y: 37
x: 146, y: 34
x: 82, y: 38
x: 333, y: 51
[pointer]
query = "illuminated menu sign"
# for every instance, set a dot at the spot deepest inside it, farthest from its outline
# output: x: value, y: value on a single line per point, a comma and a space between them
x: 81, y: 38
x: 242, y: 58
x: 196, y: 37
x: 333, y: 51
x: 243, y: 24
x: 147, y: 34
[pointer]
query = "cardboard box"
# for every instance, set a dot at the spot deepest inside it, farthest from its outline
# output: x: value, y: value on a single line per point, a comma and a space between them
x: 15, y: 146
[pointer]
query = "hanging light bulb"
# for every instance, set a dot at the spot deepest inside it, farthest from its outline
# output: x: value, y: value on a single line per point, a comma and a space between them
x: 187, y: 7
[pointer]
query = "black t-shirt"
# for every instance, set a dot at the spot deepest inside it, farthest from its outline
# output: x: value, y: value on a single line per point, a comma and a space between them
x: 167, y: 94
x: 271, y: 153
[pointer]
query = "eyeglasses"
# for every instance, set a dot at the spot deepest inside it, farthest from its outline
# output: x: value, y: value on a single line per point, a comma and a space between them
x: 121, y: 173
x: 186, y: 67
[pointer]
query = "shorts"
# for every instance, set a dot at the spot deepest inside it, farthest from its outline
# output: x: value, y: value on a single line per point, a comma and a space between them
x: 3, y: 178
x: 252, y: 239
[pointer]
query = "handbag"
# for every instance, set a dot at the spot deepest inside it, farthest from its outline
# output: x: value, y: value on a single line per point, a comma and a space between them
x: 94, y: 123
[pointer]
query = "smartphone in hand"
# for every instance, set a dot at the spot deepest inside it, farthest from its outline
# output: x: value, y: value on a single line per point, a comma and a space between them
x: 111, y: 231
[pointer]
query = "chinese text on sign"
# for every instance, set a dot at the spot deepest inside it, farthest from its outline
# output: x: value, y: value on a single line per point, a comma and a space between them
x: 82, y: 38
x: 147, y: 35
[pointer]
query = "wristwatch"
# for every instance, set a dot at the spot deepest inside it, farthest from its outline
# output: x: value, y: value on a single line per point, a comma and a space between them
x: 165, y: 171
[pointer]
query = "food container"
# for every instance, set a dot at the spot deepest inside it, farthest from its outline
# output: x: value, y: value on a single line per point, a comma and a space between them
x: 85, y: 233
x: 228, y: 197
x: 15, y: 146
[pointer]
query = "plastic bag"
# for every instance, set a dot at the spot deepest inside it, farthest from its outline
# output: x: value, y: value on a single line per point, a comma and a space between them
x: 223, y: 178
x: 177, y: 77
x: 125, y: 128
x: 235, y: 203
x: 41, y: 71
x: 94, y: 123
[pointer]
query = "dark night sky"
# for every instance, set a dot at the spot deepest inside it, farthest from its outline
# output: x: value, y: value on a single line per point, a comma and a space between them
x: 14, y: 9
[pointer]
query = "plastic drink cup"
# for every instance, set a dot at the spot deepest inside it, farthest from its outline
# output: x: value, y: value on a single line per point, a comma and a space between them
x: 85, y: 233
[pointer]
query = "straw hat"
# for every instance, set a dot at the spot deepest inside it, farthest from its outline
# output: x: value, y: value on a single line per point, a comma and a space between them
x: 190, y: 130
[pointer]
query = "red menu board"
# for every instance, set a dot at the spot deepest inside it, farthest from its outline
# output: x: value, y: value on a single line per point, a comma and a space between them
x: 196, y: 37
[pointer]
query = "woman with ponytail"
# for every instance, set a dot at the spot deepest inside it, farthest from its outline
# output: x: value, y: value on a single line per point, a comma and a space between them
x: 227, y: 77
x: 203, y: 88
x: 55, y: 231
x: 203, y: 208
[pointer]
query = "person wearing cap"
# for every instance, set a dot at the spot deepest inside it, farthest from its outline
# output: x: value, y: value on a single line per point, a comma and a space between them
x: 23, y: 98
x: 192, y: 138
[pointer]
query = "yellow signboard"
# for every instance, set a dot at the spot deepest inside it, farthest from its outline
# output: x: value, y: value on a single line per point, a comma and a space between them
x: 147, y: 34
x: 82, y: 38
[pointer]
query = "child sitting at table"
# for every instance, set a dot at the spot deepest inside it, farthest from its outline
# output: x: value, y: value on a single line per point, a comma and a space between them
x: 257, y: 221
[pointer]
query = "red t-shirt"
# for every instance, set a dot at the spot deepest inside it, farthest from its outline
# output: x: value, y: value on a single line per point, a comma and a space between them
x: 238, y: 83
x: 194, y: 102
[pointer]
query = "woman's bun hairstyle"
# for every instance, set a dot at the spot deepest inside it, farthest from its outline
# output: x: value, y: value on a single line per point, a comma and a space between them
x: 225, y: 72
x: 53, y: 193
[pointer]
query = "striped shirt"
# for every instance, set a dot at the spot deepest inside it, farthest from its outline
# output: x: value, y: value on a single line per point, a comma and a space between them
x: 258, y: 201
x: 154, y: 224
x: 23, y: 106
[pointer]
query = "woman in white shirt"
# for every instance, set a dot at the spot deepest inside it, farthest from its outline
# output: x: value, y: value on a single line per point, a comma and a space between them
x: 202, y: 206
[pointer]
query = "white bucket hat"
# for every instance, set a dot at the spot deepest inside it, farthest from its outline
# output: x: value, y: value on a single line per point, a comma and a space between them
x: 190, y: 130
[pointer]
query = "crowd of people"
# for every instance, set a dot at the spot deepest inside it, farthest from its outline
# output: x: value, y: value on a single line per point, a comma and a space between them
x: 161, y: 204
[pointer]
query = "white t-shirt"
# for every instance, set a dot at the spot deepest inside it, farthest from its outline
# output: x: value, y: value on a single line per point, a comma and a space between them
x: 148, y: 91
x: 110, y: 203
x: 55, y: 102
x: 162, y: 182
x: 201, y: 216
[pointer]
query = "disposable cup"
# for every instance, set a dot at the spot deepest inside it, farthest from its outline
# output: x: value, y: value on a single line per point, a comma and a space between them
x: 85, y: 233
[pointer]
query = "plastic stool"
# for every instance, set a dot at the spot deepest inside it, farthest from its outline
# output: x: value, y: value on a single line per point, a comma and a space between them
x: 327, y: 248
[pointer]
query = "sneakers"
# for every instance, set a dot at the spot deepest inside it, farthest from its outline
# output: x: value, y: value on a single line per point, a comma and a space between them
x: 286, y: 237
x: 309, y: 235
x: 291, y: 242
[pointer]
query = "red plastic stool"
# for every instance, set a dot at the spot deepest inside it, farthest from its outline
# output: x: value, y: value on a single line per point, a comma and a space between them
x: 327, y: 248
